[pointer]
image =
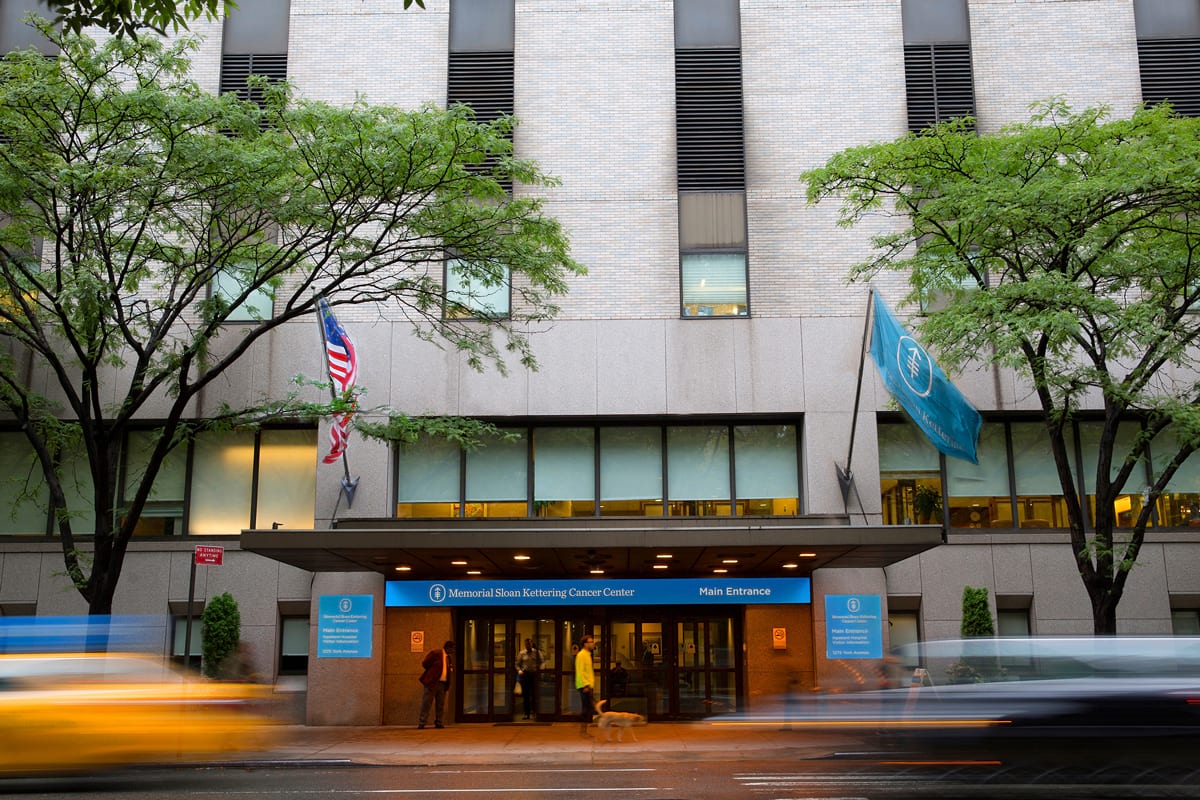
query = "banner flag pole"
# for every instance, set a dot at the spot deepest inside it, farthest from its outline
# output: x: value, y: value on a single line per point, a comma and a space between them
x: 845, y: 475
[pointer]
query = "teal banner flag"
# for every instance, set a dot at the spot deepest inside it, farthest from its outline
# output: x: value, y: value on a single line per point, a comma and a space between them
x: 922, y: 389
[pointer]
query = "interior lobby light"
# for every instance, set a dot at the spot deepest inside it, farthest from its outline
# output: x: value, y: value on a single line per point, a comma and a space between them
x: 791, y: 565
x: 720, y: 570
x: 660, y: 566
x: 808, y: 555
x: 458, y: 563
x: 664, y: 555
x: 474, y: 572
x: 728, y: 560
x: 596, y: 571
x: 404, y: 568
x: 520, y: 557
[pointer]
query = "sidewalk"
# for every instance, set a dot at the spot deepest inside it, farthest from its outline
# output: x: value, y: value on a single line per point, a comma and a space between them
x: 539, y: 743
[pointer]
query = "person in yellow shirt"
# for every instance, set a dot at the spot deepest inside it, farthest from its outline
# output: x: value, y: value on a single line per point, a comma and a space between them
x: 585, y: 682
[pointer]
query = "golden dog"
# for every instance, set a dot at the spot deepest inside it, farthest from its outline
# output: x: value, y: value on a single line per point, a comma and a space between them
x: 621, y: 720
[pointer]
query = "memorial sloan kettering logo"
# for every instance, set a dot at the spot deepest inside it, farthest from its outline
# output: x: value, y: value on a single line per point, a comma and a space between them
x: 437, y: 593
x: 915, y: 366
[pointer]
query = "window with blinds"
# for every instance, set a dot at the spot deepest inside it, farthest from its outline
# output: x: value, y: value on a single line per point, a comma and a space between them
x: 254, y: 41
x: 938, y: 77
x: 480, y: 69
x: 710, y: 159
x: 1168, y: 34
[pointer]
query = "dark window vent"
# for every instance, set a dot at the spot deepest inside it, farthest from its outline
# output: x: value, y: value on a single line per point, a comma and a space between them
x: 483, y: 81
x: 235, y: 69
x: 939, y: 83
x: 1171, y: 73
x: 710, y: 142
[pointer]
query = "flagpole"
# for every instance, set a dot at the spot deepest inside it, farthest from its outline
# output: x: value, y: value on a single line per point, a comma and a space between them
x: 348, y: 485
x: 845, y: 475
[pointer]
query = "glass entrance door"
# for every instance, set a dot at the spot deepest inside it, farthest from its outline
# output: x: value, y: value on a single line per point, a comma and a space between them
x: 665, y: 666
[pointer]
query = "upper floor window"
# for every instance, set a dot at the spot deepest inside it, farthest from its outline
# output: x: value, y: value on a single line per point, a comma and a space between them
x: 219, y: 483
x: 485, y: 292
x: 254, y: 42
x: 255, y: 305
x: 617, y: 470
x: 938, y: 77
x: 480, y: 69
x: 711, y: 162
x: 1168, y: 42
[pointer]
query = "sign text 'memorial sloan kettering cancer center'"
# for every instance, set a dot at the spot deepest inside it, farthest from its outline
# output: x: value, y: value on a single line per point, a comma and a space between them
x: 671, y: 591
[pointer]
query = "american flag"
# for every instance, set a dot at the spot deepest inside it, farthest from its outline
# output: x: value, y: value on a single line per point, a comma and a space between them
x: 341, y: 359
x: 342, y: 362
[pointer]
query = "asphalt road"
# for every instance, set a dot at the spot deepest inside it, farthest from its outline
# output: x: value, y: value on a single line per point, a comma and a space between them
x: 865, y: 778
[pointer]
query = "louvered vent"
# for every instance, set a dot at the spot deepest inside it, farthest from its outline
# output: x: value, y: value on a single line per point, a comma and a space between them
x: 235, y: 69
x: 483, y: 81
x: 708, y: 119
x: 939, y: 83
x: 1171, y: 73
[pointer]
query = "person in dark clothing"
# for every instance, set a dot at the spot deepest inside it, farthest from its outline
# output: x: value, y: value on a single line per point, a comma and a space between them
x: 437, y: 677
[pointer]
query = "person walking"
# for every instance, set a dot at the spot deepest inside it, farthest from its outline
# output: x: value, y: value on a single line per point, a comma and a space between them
x: 439, y: 673
x: 585, y: 682
x: 529, y: 661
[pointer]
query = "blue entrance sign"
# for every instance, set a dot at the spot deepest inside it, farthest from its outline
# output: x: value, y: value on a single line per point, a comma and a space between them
x: 853, y: 626
x: 668, y: 591
x: 344, y: 628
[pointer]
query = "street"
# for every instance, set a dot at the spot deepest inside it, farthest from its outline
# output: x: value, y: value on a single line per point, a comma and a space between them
x: 863, y: 777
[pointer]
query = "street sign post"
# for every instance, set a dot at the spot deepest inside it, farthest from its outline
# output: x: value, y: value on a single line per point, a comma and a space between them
x: 209, y: 555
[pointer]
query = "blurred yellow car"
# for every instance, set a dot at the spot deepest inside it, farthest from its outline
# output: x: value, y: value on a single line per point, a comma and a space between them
x: 80, y: 711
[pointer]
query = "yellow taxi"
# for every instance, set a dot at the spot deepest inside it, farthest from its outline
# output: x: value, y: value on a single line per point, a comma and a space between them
x: 67, y: 712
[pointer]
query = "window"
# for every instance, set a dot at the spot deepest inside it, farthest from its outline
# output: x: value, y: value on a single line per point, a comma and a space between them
x: 1179, y: 505
x: 908, y: 470
x: 249, y: 479
x: 24, y: 498
x: 768, y: 474
x: 698, y: 471
x: 711, y: 163
x: 978, y: 494
x: 564, y: 472
x: 1185, y: 622
x: 179, y: 636
x: 1040, y: 502
x: 255, y: 42
x: 163, y: 512
x: 485, y: 292
x: 480, y: 65
x: 293, y: 645
x: 938, y: 77
x: 631, y: 472
x: 617, y: 470
x: 1168, y: 42
x: 16, y: 35
x: 257, y: 305
x: 498, y: 478
x: 1128, y: 505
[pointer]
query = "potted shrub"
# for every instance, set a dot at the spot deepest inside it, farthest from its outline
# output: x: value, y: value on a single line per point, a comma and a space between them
x: 927, y: 503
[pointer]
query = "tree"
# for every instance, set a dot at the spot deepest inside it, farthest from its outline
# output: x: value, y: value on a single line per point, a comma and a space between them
x: 976, y: 616
x: 221, y: 633
x: 146, y: 191
x: 126, y: 18
x: 1068, y: 246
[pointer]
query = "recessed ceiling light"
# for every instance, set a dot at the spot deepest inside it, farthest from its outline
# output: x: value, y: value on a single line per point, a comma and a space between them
x: 458, y: 563
x: 403, y: 568
x: 728, y: 560
x: 664, y: 555
x: 719, y: 570
x: 521, y: 557
x: 474, y: 572
x: 808, y: 555
x: 596, y: 571
x: 660, y: 566
x: 791, y: 565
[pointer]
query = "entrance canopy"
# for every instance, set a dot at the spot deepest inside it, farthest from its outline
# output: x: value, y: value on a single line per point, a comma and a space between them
x: 592, y: 547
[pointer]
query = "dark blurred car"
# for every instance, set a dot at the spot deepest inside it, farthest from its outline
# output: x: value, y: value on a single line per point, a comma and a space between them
x: 70, y: 712
x: 1133, y: 698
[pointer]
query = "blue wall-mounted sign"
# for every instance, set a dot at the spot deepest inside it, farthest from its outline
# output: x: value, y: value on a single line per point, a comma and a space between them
x: 663, y: 591
x: 853, y: 626
x: 344, y: 627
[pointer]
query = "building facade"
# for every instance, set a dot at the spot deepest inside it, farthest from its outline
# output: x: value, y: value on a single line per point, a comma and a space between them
x: 695, y: 398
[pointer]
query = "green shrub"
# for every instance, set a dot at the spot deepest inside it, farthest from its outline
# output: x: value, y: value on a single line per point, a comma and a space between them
x: 222, y: 630
x: 976, y: 617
